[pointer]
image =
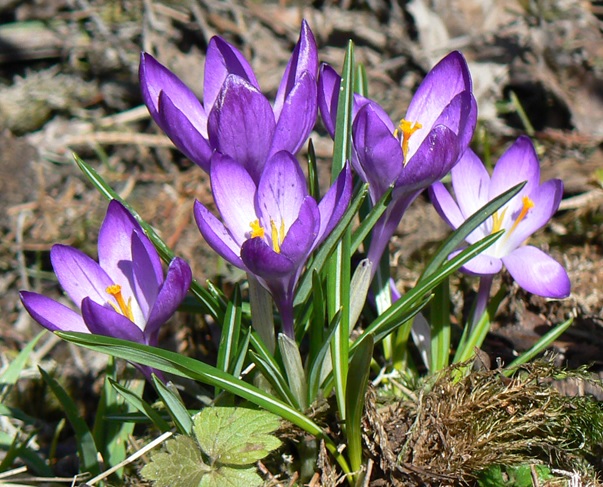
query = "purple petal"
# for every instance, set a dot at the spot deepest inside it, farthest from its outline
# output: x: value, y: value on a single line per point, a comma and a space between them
x: 335, y: 203
x: 298, y: 116
x: 50, y: 314
x: 538, y: 273
x: 234, y: 192
x: 546, y: 199
x: 144, y: 280
x: 379, y: 152
x: 103, y: 320
x: 304, y: 59
x: 518, y: 163
x: 241, y: 124
x: 447, y: 79
x: 189, y: 139
x: 328, y: 95
x: 217, y: 236
x: 172, y: 293
x: 156, y: 78
x: 445, y: 205
x: 471, y: 183
x: 79, y: 275
x: 261, y: 260
x: 482, y: 264
x: 302, y: 234
x: 221, y: 60
x: 281, y: 192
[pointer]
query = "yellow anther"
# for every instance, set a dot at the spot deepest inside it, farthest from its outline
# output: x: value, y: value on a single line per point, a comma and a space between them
x: 122, y: 307
x: 527, y: 205
x: 497, y: 220
x: 256, y: 229
x: 276, y: 242
x: 406, y: 129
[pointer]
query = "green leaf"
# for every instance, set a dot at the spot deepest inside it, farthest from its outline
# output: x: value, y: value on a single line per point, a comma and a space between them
x: 12, y: 372
x: 180, y: 466
x: 229, y: 338
x: 232, y: 477
x: 139, y: 403
x: 174, y: 406
x: 236, y: 436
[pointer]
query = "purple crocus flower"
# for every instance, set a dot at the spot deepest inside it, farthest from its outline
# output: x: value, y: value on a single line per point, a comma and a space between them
x: 235, y: 118
x: 523, y: 215
x: 269, y: 228
x: 124, y: 295
x: 425, y: 145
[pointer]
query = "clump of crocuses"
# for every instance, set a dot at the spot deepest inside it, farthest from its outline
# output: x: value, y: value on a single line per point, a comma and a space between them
x: 123, y: 295
x: 235, y: 119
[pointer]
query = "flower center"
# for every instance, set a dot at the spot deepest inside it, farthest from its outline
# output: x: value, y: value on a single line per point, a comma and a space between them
x: 277, y: 235
x: 498, y: 218
x: 122, y: 307
x: 403, y: 132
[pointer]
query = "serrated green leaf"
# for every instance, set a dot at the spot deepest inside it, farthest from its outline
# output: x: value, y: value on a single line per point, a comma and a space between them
x: 181, y: 465
x: 236, y: 436
x: 232, y: 477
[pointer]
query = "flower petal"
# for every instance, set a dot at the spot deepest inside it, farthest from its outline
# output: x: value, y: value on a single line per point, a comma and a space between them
x: 217, y: 236
x: 335, y: 203
x: 103, y: 320
x: 471, y: 183
x: 171, y: 295
x: 241, y: 124
x: 50, y: 314
x: 445, y: 205
x: 235, y: 193
x: 261, y: 260
x: 281, y: 192
x: 301, y: 236
x: 298, y: 116
x: 328, y: 96
x: 189, y: 139
x: 538, y: 273
x: 156, y: 78
x: 304, y: 59
x: 518, y: 163
x: 79, y: 275
x: 221, y: 60
x: 482, y: 264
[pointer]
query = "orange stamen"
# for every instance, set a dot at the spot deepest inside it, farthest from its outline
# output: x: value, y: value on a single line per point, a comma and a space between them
x: 527, y: 205
x: 122, y: 307
x: 276, y: 241
x: 406, y: 128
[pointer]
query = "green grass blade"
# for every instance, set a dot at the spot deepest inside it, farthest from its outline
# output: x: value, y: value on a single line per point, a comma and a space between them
x: 174, y: 406
x: 13, y: 371
x: 141, y: 405
x: 229, y: 338
x: 87, y: 450
x: 368, y: 222
x: 316, y: 365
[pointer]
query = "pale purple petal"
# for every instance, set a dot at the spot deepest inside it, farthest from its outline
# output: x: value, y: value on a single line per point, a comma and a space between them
x: 221, y: 60
x: 217, y: 236
x: 471, y: 183
x: 104, y: 320
x: 482, y: 264
x: 177, y: 281
x: 298, y: 116
x: 281, y: 192
x: 260, y: 259
x: 241, y: 124
x: 156, y: 78
x: 335, y: 203
x: 234, y: 192
x: 304, y: 59
x: 538, y: 273
x: 445, y: 205
x: 144, y: 281
x: 190, y: 140
x: 79, y: 275
x: 50, y: 314
x: 328, y: 95
x: 302, y: 234
x: 518, y: 163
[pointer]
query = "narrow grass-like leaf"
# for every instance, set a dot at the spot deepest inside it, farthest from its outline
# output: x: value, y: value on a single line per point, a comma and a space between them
x: 175, y: 363
x: 358, y: 375
x: 316, y: 365
x: 318, y: 317
x: 174, y: 407
x: 141, y: 405
x: 440, y: 327
x: 368, y: 221
x: 313, y: 185
x: 87, y: 450
x: 229, y: 337
x: 361, y: 81
x: 292, y: 362
x: 458, y: 237
x: 212, y: 306
x: 13, y: 371
x: 276, y: 379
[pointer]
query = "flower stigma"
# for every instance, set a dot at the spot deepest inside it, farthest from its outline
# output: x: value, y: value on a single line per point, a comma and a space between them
x: 277, y: 236
x: 122, y: 307
x: 403, y: 132
x: 256, y: 229
x: 528, y: 204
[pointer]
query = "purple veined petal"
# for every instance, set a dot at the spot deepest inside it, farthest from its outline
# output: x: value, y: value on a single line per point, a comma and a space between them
x: 482, y: 264
x: 538, y: 273
x: 281, y: 192
x: 328, y: 95
x: 261, y: 260
x: 172, y: 293
x: 302, y: 234
x: 379, y: 152
x: 217, y: 236
x: 241, y: 124
x: 546, y: 199
x: 156, y: 78
x: 518, y: 163
x: 445, y: 205
x: 447, y: 79
x: 79, y: 275
x: 144, y: 281
x: 50, y: 314
x: 436, y: 156
x: 103, y: 320
x: 304, y: 59
x: 335, y: 203
x: 191, y: 140
x: 298, y: 116
x: 221, y: 60
x: 471, y: 183
x: 234, y: 192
